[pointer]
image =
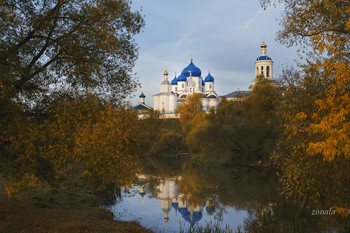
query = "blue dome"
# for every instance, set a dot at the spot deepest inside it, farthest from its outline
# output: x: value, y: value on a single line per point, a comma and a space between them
x: 261, y: 58
x: 174, y: 81
x: 181, y: 78
x: 196, y: 72
x: 175, y: 206
x: 209, y: 78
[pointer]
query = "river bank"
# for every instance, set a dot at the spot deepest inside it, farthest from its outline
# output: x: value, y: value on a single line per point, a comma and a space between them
x: 68, y: 211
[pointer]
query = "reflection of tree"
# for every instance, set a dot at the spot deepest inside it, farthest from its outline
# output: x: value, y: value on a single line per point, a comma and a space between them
x: 151, y: 187
x: 110, y: 196
x: 219, y: 213
x: 256, y: 191
x: 161, y: 167
x: 239, y: 188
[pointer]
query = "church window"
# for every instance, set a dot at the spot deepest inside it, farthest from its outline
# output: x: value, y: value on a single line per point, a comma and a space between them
x: 183, y: 86
x: 175, y: 88
x: 209, y: 86
x: 262, y: 70
x: 268, y: 71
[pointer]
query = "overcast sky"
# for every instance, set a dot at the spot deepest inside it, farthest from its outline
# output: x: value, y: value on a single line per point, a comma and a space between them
x: 223, y: 36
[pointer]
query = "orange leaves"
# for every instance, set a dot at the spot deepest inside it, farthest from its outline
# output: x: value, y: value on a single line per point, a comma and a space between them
x: 348, y: 23
x: 10, y: 190
x: 301, y: 116
x: 316, y: 141
x: 344, y: 212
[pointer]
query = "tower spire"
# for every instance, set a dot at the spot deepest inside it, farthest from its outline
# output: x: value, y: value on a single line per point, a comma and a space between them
x: 166, y: 72
x: 263, y: 49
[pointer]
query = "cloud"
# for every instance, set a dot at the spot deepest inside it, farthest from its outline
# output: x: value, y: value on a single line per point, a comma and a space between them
x: 251, y: 20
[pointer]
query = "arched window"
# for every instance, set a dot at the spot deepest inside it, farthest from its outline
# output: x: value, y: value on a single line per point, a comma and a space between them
x: 257, y: 70
x: 183, y: 85
x: 262, y: 70
x: 267, y: 71
x: 175, y: 88
x: 209, y: 86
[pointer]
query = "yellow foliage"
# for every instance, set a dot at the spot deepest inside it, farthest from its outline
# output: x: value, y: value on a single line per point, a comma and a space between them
x: 314, y: 150
x: 188, y: 109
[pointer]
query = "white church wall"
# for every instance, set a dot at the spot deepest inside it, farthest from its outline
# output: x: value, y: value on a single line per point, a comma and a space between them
x: 164, y: 104
x: 174, y: 88
x: 172, y: 103
x: 205, y: 103
x: 156, y: 103
x: 181, y: 86
x: 197, y: 81
x: 165, y: 88
x: 213, y: 102
x: 209, y: 86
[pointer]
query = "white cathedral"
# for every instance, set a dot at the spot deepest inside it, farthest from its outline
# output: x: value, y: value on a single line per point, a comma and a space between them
x: 191, y: 81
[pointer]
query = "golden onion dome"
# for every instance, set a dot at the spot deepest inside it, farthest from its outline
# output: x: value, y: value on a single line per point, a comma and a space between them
x: 166, y: 73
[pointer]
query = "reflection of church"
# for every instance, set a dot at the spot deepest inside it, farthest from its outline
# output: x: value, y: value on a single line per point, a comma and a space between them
x: 171, y: 199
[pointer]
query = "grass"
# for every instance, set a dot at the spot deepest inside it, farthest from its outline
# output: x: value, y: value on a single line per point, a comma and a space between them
x: 67, y: 211
x: 211, y: 228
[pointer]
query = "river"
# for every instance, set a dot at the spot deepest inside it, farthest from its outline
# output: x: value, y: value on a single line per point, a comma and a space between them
x: 173, y: 196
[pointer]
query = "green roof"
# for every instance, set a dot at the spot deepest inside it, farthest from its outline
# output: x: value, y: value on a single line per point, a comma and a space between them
x: 141, y: 107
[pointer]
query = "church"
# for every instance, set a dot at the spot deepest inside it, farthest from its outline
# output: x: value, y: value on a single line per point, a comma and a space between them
x: 190, y: 81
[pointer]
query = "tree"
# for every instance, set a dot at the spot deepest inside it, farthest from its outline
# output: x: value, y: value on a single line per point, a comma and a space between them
x: 324, y: 26
x: 86, y: 136
x: 323, y: 29
x: 79, y: 44
x: 263, y: 100
x: 65, y: 68
x: 189, y: 109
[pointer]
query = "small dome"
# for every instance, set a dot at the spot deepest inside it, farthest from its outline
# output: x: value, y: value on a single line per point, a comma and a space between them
x: 195, y: 71
x: 165, y: 81
x: 181, y: 78
x: 262, y: 58
x: 209, y: 78
x: 174, y: 81
x: 263, y: 45
x: 142, y: 95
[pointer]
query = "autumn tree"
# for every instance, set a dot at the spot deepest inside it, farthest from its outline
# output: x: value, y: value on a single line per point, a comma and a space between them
x: 65, y: 68
x: 263, y: 100
x: 188, y: 109
x: 84, y: 136
x: 80, y: 44
x: 322, y: 28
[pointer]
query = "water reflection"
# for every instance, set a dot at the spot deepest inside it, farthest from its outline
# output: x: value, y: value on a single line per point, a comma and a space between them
x: 167, y: 192
x: 193, y: 195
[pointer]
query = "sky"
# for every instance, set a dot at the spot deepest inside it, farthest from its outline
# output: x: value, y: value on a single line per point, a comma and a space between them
x: 223, y: 37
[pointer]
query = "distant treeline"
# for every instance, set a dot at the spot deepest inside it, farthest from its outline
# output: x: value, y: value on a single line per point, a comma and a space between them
x: 234, y: 131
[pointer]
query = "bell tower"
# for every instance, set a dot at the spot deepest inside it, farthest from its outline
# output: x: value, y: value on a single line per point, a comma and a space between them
x: 264, y: 64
